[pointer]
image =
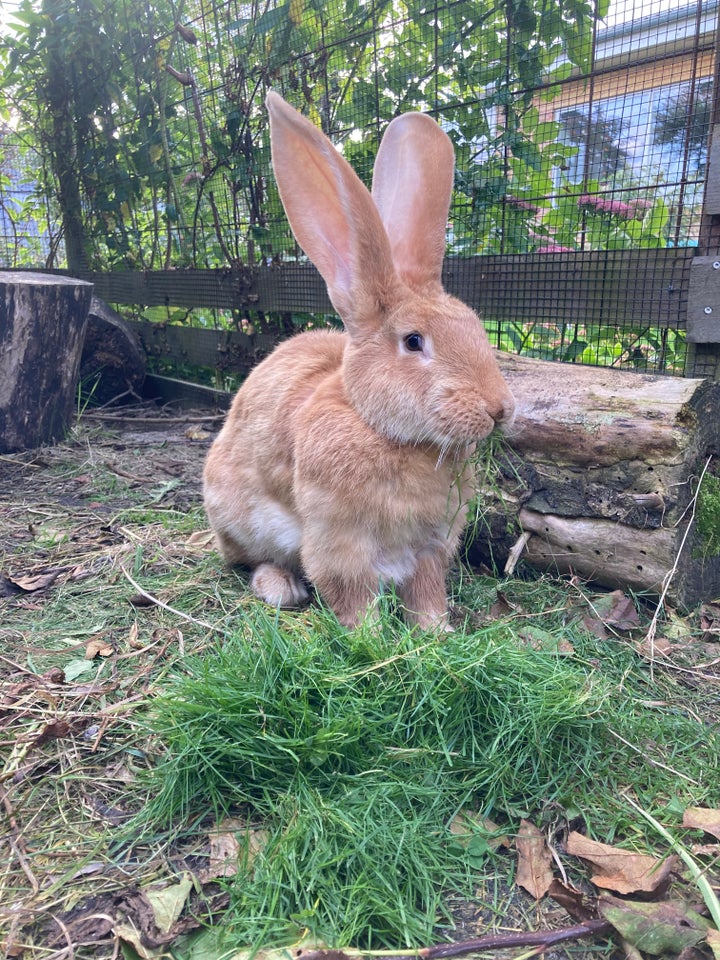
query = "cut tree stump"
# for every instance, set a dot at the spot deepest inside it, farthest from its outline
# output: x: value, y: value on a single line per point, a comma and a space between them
x: 599, y: 477
x: 113, y: 364
x: 42, y: 329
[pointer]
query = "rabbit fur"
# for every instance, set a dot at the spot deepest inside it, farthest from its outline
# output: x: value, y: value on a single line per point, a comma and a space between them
x: 343, y: 459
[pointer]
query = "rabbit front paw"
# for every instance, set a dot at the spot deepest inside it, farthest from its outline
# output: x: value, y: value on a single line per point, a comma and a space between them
x: 277, y: 586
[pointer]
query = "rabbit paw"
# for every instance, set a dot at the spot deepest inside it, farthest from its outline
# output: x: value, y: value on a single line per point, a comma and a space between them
x: 278, y: 587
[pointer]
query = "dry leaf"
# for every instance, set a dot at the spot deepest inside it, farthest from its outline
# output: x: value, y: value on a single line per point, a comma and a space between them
x: 169, y: 902
x: 54, y: 730
x: 710, y: 620
x: 534, y: 870
x: 31, y: 582
x: 233, y: 845
x: 620, y: 870
x: 197, y: 433
x: 713, y: 939
x: 98, y: 647
x: 127, y: 932
x: 200, y: 539
x: 573, y: 901
x: 224, y: 855
x: 706, y: 850
x: 133, y: 636
x: 702, y: 818
x: 613, y: 610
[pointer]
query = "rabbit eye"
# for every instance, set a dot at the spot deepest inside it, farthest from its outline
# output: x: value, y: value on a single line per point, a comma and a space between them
x: 414, y: 342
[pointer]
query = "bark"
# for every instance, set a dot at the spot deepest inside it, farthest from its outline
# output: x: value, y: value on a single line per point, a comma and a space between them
x: 113, y: 363
x: 42, y: 328
x: 600, y: 470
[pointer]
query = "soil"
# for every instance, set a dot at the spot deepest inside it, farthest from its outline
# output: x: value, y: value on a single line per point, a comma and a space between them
x: 113, y: 462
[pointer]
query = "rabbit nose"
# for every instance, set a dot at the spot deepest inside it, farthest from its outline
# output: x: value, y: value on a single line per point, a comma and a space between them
x: 501, y: 409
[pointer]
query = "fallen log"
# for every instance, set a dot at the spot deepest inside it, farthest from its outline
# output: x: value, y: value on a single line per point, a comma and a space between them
x: 601, y: 477
x: 42, y: 328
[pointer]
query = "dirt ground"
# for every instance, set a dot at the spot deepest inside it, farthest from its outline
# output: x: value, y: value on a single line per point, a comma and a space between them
x: 74, y: 518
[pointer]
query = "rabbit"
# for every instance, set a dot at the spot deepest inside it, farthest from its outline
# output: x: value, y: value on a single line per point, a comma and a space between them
x: 343, y: 458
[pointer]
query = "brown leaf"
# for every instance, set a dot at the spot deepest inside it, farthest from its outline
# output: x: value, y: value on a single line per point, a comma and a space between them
x: 197, y: 433
x: 200, y: 539
x: 710, y: 620
x: 134, y: 636
x: 31, y: 582
x: 54, y: 730
x: 594, y: 626
x: 233, y: 845
x: 224, y: 855
x: 623, y: 871
x: 702, y: 818
x: 140, y: 600
x: 614, y: 610
x: 706, y: 850
x: 713, y: 939
x: 97, y: 647
x: 534, y: 871
x: 573, y: 900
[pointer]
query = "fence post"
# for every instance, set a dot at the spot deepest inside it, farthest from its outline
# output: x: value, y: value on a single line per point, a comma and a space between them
x: 703, y: 321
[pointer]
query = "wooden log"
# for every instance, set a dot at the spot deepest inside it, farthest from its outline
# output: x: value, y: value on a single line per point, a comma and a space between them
x: 113, y: 363
x: 42, y: 329
x: 601, y: 470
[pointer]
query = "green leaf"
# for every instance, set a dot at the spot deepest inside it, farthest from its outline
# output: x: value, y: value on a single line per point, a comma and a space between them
x: 77, y: 668
x: 662, y: 929
x: 271, y: 19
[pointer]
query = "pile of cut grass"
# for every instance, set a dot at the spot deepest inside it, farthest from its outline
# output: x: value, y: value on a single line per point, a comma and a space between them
x: 356, y: 751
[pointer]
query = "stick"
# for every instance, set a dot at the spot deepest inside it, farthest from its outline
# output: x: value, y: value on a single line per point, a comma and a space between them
x: 166, y: 606
x: 541, y: 939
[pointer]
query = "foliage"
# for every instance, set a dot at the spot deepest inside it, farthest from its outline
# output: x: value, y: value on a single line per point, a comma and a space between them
x: 685, y: 118
x: 153, y: 124
x: 708, y: 515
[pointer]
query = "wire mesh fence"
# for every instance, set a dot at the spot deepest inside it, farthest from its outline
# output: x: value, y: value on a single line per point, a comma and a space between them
x: 580, y: 128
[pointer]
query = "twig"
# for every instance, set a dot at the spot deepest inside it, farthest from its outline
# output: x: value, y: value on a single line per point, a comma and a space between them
x: 21, y: 463
x: 516, y: 552
x: 119, y: 472
x: 652, y: 629
x: 541, y: 939
x: 125, y: 417
x: 166, y: 606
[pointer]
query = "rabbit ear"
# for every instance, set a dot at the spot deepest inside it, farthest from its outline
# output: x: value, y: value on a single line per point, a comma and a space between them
x: 412, y: 186
x: 331, y: 214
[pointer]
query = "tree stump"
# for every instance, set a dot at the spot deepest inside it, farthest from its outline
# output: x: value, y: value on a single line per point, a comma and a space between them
x: 599, y: 477
x: 42, y: 329
x: 113, y: 364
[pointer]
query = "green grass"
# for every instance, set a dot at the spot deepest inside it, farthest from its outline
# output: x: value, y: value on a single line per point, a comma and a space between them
x: 355, y: 751
x: 347, y: 755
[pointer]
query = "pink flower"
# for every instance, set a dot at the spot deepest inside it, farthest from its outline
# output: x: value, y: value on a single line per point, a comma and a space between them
x: 522, y: 204
x: 608, y: 208
x: 554, y: 248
